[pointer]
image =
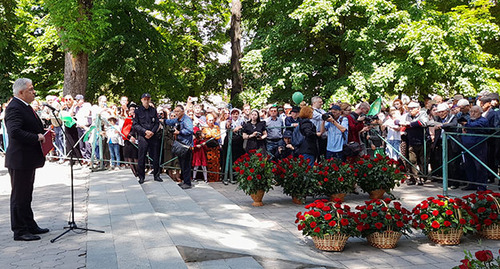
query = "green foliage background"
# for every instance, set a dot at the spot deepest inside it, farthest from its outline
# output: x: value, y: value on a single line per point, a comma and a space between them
x: 347, y: 50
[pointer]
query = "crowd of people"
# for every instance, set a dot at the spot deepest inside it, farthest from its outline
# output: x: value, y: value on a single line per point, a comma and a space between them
x: 410, y: 131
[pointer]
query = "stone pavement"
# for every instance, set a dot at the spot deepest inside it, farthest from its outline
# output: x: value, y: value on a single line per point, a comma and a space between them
x: 159, y: 225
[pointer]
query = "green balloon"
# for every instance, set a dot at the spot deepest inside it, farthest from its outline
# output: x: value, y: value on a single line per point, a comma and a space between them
x: 297, y: 97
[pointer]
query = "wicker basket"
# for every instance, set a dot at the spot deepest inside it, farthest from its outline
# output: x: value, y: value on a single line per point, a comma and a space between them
x: 331, y: 242
x: 451, y: 237
x: 491, y: 232
x: 387, y: 239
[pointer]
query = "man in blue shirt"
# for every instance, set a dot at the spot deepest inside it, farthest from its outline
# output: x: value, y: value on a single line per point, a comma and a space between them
x: 336, y: 128
x: 184, y: 132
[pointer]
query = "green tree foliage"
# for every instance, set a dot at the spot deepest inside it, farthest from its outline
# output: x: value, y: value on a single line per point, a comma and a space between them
x: 8, y: 60
x: 360, y: 49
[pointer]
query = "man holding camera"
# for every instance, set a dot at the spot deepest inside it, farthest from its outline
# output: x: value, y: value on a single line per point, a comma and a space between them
x: 146, y: 123
x: 184, y: 132
x: 336, y: 128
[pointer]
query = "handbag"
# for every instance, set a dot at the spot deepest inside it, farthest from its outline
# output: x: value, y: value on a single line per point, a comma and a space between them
x: 212, y: 143
x: 179, y: 149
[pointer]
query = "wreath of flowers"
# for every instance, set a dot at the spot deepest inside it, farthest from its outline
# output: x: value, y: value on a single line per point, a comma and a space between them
x: 327, y: 218
x: 380, y: 215
x: 436, y: 214
x: 253, y: 172
x: 485, y: 206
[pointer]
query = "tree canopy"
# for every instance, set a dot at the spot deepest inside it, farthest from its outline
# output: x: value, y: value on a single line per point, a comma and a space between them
x: 346, y: 50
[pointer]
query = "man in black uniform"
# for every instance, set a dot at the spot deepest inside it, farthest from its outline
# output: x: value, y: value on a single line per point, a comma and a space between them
x: 146, y: 123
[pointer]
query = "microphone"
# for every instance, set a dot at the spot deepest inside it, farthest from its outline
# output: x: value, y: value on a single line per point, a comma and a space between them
x: 51, y: 107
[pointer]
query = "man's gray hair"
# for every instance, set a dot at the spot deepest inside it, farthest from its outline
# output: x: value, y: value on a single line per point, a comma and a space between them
x: 315, y: 99
x: 364, y: 105
x: 478, y: 108
x: 20, y: 84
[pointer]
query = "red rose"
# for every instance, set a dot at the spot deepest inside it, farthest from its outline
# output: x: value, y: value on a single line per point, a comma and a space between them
x: 332, y: 223
x: 242, y: 172
x: 436, y: 225
x: 259, y: 177
x: 327, y: 208
x: 379, y: 225
x: 317, y: 230
x: 435, y: 212
x: 363, y: 216
x: 259, y: 154
x: 359, y: 227
x: 369, y: 207
x: 328, y: 217
x: 481, y: 210
x: 374, y: 214
x: 294, y: 174
x: 400, y: 224
x: 325, y: 179
x: 249, y: 178
x: 422, y: 226
x: 262, y: 165
x: 396, y: 171
x: 487, y: 222
x: 424, y: 216
x: 313, y: 224
x: 384, y: 169
x: 447, y: 223
x: 252, y: 170
x: 449, y: 212
x: 484, y: 255
x: 316, y: 214
x: 424, y: 206
x: 463, y: 221
x: 246, y: 164
x: 237, y: 169
x: 344, y: 222
x: 341, y: 179
x: 493, y: 216
x: 388, y: 216
x: 370, y: 165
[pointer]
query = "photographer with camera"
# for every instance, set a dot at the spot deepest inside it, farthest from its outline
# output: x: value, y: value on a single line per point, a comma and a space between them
x: 337, y: 129
x: 356, y: 122
x: 254, y: 133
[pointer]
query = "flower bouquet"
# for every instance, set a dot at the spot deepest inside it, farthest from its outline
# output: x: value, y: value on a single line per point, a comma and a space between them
x: 484, y: 259
x: 486, y: 209
x: 383, y: 223
x: 254, y: 175
x: 443, y: 220
x: 329, y: 224
x: 334, y: 178
x: 294, y: 175
x: 379, y: 174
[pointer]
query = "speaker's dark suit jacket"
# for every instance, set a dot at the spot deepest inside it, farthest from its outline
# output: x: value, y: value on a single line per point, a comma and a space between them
x: 24, y: 155
x: 23, y: 126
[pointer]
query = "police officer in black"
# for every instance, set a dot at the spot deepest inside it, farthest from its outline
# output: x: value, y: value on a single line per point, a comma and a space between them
x: 146, y: 123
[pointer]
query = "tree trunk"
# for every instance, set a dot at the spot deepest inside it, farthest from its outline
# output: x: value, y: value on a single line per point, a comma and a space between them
x: 75, y: 73
x: 235, y: 33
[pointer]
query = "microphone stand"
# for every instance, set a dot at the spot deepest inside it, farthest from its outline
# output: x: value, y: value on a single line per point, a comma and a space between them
x: 71, y: 223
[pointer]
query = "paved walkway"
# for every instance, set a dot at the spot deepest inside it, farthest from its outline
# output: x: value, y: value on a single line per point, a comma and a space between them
x: 159, y: 225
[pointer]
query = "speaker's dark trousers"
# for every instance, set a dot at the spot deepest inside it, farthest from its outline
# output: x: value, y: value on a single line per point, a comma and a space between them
x: 21, y: 214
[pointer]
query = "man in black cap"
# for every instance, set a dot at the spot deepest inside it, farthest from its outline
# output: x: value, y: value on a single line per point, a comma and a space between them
x: 146, y: 123
x: 292, y: 121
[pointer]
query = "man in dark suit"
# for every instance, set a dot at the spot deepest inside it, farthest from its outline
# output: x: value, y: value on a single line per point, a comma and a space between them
x: 23, y: 156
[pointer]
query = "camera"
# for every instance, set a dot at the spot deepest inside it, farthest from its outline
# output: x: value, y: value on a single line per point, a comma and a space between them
x: 326, y: 115
x: 370, y: 118
x: 172, y: 129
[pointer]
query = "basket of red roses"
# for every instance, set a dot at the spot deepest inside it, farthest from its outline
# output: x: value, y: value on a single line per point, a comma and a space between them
x: 444, y: 220
x: 486, y: 208
x: 383, y: 223
x: 329, y: 224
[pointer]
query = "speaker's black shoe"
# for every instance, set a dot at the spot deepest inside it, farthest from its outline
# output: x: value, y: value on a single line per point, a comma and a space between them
x: 157, y: 178
x: 39, y: 230
x: 26, y: 237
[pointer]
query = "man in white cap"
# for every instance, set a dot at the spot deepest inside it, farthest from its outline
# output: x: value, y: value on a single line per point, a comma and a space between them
x: 448, y: 123
x: 415, y: 122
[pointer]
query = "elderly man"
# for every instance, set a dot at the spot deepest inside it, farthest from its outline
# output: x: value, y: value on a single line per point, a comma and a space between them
x: 184, y: 132
x: 448, y: 123
x: 23, y: 156
x: 415, y: 122
x: 475, y: 172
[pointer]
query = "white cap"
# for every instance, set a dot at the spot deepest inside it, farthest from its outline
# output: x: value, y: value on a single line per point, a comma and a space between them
x: 442, y: 107
x: 413, y: 104
x: 463, y: 102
